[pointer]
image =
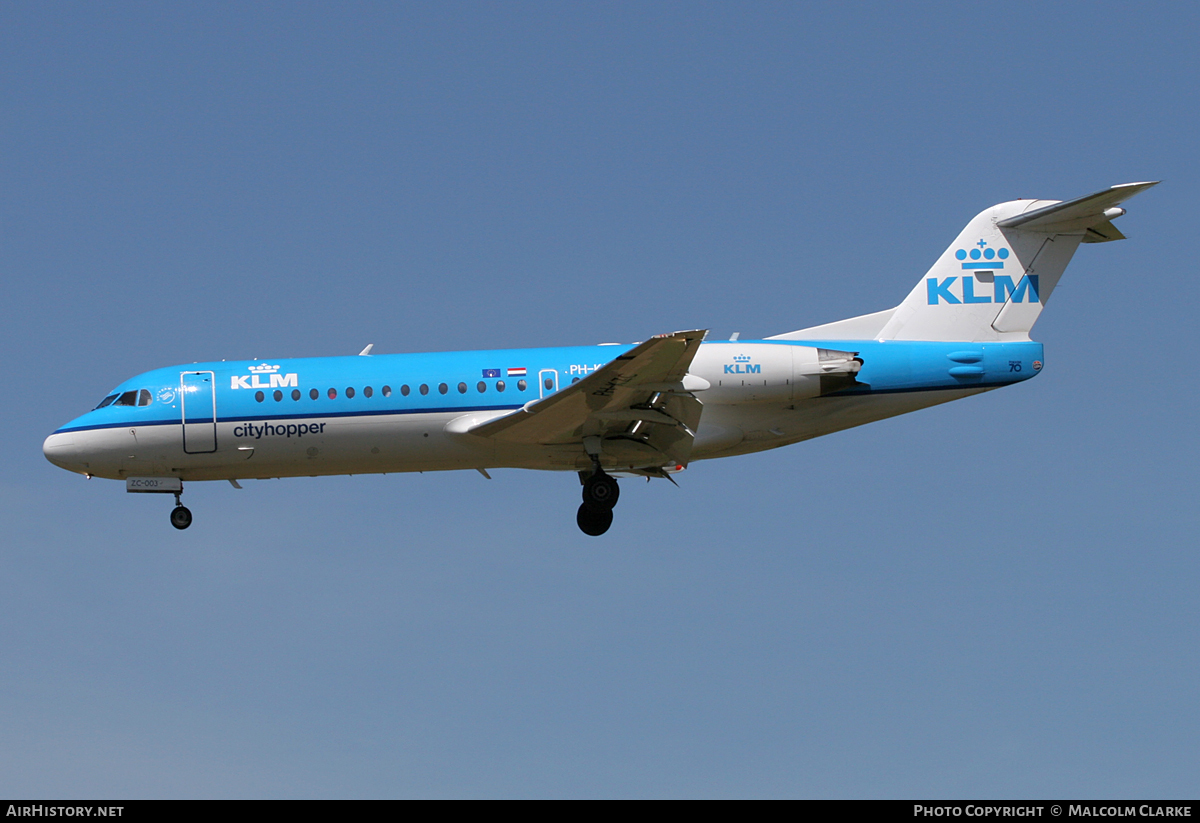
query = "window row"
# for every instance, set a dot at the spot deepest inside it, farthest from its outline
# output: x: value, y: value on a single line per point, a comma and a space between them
x: 386, y: 391
x: 141, y: 397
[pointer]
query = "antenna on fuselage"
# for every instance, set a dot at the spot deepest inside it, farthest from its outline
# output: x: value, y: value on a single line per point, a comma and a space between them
x: 367, y: 350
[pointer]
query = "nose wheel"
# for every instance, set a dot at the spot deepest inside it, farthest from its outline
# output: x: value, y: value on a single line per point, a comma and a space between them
x: 181, y: 515
x: 600, y: 493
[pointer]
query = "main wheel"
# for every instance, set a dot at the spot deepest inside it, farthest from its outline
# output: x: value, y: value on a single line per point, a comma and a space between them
x: 181, y: 517
x: 601, y: 491
x: 593, y: 522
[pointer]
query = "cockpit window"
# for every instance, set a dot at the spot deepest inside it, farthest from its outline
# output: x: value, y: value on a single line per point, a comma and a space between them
x: 137, y: 397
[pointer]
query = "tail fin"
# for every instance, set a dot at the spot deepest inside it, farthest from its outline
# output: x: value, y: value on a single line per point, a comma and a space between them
x: 992, y: 282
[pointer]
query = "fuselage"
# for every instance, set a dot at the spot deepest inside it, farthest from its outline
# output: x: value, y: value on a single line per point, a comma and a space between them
x: 645, y: 409
x: 396, y: 413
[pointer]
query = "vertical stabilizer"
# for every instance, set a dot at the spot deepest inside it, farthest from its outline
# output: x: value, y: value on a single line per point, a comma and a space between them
x: 993, y: 281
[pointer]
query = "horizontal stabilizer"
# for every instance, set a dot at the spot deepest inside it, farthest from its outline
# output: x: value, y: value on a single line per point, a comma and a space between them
x: 1079, y: 214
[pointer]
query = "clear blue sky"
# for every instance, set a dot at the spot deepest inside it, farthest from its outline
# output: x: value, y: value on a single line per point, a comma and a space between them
x: 991, y: 598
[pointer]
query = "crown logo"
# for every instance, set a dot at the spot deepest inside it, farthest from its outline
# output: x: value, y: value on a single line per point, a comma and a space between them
x: 982, y: 257
x: 741, y: 358
x: 264, y: 369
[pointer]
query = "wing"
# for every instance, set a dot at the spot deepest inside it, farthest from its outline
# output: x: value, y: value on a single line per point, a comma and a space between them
x: 639, y: 405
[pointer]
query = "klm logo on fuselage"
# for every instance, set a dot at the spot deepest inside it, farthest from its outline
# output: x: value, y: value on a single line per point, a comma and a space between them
x: 741, y: 365
x: 274, y: 380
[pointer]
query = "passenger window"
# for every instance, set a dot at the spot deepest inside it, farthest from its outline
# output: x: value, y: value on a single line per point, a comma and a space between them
x: 295, y: 394
x: 368, y: 391
x: 462, y: 388
x: 129, y: 398
x: 144, y: 397
x: 443, y: 388
x: 424, y: 389
x: 107, y: 401
x: 404, y: 390
x: 349, y: 392
x: 278, y: 395
x: 259, y: 396
x: 574, y: 380
x: 332, y: 394
x: 387, y: 391
x: 548, y: 383
x: 499, y: 385
x: 522, y: 385
x: 314, y: 394
x: 482, y: 387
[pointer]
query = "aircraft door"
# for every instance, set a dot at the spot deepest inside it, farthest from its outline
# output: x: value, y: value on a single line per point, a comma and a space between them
x: 198, y: 404
x: 547, y: 382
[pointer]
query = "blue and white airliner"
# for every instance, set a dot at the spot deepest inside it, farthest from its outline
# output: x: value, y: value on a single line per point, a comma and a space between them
x: 646, y: 409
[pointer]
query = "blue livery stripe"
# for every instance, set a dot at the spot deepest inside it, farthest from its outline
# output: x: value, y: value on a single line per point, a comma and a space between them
x: 257, y: 418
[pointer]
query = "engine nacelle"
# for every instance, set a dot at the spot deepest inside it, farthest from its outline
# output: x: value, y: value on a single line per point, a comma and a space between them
x: 771, y: 372
x: 823, y: 371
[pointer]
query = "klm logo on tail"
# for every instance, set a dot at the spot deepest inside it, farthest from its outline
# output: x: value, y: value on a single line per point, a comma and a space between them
x: 992, y: 258
x: 1026, y: 290
x: 959, y: 290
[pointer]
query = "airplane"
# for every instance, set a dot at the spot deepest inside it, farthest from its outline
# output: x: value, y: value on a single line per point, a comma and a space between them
x: 611, y: 410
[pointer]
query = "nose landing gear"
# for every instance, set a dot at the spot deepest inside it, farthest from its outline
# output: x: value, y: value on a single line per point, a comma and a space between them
x: 600, y: 493
x: 181, y: 518
x: 181, y: 515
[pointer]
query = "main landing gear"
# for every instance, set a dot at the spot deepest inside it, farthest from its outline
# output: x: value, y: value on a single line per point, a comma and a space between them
x: 181, y: 515
x: 600, y: 493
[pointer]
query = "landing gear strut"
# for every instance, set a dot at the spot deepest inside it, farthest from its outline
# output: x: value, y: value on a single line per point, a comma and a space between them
x: 181, y: 515
x: 600, y: 493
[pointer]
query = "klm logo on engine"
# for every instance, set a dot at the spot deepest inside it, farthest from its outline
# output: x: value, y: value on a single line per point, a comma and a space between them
x: 741, y: 365
x: 955, y: 290
x: 254, y: 380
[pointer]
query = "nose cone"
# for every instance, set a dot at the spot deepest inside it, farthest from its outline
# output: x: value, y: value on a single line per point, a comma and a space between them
x: 60, y: 449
